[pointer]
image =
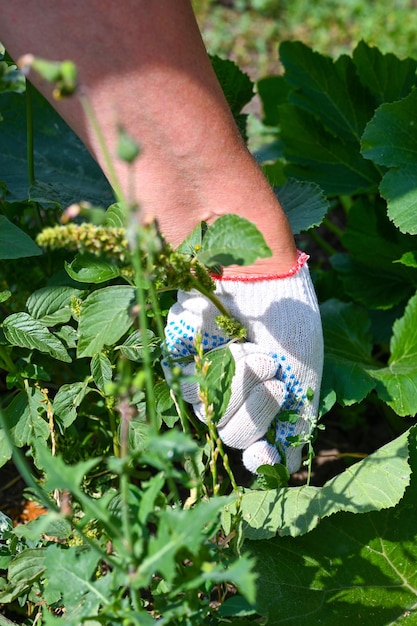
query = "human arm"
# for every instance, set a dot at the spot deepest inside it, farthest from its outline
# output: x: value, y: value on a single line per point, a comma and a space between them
x: 142, y: 63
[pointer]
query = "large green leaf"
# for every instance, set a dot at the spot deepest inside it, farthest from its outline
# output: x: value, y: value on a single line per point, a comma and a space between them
x: 352, y: 569
x: 105, y: 317
x: 70, y: 573
x: 385, y: 75
x: 397, y: 383
x: 369, y: 271
x: 304, y: 204
x: 14, y: 243
x: 60, y: 157
x: 327, y: 89
x: 22, y: 330
x: 323, y: 120
x: 390, y: 139
x: 315, y: 154
x: 273, y: 91
x: 377, y: 482
x: 232, y: 240
x: 399, y: 188
x: 348, y: 346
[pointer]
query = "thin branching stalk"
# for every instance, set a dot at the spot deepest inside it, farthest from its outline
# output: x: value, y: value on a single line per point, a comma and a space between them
x: 29, y: 135
x: 92, y: 119
x: 147, y: 359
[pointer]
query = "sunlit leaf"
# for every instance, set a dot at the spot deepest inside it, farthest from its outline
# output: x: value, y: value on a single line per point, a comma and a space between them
x: 52, y: 305
x: 24, y: 569
x: 68, y: 399
x: 377, y: 482
x: 105, y: 317
x: 399, y: 188
x: 88, y: 268
x: 70, y: 572
x: 101, y: 370
x: 397, y: 383
x: 232, y: 240
x: 351, y: 569
x: 133, y: 346
x: 21, y: 329
x: 390, y: 139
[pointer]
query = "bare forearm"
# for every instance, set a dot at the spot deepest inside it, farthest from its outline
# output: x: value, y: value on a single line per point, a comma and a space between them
x: 142, y: 64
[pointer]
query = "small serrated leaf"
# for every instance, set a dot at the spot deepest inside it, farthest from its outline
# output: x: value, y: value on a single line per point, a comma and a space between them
x: 232, y: 240
x: 217, y: 380
x: 304, y: 204
x: 52, y: 305
x: 68, y: 399
x: 101, y: 370
x: 104, y: 318
x: 88, y: 268
x: 133, y: 346
x: 22, y: 330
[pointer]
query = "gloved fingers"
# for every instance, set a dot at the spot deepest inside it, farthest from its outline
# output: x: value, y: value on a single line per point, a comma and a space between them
x: 260, y: 453
x: 251, y: 421
x: 251, y: 367
x: 293, y: 458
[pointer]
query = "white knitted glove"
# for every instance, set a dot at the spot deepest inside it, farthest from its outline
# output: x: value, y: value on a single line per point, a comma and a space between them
x: 276, y: 368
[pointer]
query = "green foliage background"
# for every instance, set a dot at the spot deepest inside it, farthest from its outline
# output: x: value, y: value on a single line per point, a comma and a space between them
x: 84, y: 400
x: 248, y: 31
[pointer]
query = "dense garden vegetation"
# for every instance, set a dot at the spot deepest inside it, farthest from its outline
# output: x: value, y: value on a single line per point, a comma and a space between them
x: 145, y: 517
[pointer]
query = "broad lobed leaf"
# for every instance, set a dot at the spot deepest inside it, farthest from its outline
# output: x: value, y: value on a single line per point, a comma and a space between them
x: 397, y: 383
x: 369, y: 271
x: 348, y: 346
x: 327, y: 89
x: 304, y: 204
x: 350, y: 569
x: 377, y: 482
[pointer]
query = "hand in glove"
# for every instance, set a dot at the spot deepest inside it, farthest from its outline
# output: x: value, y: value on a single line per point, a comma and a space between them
x: 277, y: 370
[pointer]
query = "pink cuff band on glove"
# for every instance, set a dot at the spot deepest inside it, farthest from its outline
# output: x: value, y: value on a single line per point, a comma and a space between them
x: 301, y: 260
